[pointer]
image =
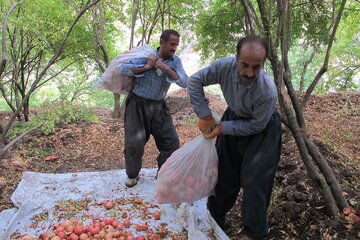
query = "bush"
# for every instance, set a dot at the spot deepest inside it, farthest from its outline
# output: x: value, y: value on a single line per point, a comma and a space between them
x: 54, y: 114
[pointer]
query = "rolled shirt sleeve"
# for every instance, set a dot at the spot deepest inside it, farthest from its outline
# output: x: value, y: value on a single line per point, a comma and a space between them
x: 125, y: 68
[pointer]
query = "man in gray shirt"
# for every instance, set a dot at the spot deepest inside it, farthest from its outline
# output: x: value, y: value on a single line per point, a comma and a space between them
x: 145, y: 109
x: 249, y: 134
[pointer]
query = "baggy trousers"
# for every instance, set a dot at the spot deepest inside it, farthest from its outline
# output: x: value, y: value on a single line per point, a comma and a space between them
x: 247, y: 162
x: 142, y: 118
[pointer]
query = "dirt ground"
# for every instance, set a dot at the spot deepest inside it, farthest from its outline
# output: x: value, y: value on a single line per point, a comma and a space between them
x: 296, y: 211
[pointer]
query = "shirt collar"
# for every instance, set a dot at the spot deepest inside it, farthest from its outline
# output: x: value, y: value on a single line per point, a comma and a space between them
x: 157, y: 54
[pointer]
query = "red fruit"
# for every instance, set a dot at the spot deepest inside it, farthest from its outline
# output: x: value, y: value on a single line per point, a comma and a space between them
x: 155, y: 237
x: 109, y: 228
x: 126, y: 223
x: 138, y: 200
x: 102, y: 224
x: 347, y: 210
x: 138, y: 227
x: 144, y: 227
x: 83, y: 236
x: 66, y: 223
x: 94, y: 230
x: 157, y: 215
x: 73, y: 236
x: 69, y: 229
x: 109, y: 221
x: 42, y: 236
x: 189, y: 180
x: 78, y: 230
x: 124, y: 215
x: 149, y: 233
x: 140, y: 238
x: 62, y: 235
x: 119, y: 226
x: 51, y: 158
x: 59, y: 229
x: 108, y: 237
x: 26, y: 237
x: 108, y: 205
x: 115, y: 223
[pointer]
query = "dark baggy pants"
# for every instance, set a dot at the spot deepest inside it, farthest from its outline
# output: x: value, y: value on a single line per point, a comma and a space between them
x: 247, y: 162
x: 142, y: 118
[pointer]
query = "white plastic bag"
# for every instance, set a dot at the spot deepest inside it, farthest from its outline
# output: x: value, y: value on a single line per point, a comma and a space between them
x: 189, y: 174
x: 112, y: 80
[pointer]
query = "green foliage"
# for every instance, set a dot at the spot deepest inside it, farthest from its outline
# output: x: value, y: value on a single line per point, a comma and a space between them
x: 155, y: 16
x: 192, y: 119
x: 221, y: 24
x: 54, y: 114
x: 310, y: 19
x: 3, y: 105
x: 103, y: 98
x: 344, y: 67
x: 44, y: 24
x: 298, y: 56
x: 218, y: 28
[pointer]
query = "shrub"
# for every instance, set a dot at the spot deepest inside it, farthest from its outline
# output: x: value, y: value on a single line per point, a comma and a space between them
x: 54, y: 114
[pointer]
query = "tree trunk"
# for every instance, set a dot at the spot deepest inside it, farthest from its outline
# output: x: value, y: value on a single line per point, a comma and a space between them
x: 279, y: 37
x: 119, y: 107
x: 4, y: 149
x: 327, y: 171
x: 314, y: 174
x: 317, y: 167
x: 116, y: 113
x: 26, y: 110
x: 2, y: 141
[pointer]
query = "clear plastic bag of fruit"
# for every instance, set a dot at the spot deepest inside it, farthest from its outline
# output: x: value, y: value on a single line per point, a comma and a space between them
x: 111, y: 79
x: 189, y: 174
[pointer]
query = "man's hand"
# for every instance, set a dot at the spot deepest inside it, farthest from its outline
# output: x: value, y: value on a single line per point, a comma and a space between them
x: 150, y: 61
x: 206, y: 124
x: 214, y: 133
x: 161, y: 65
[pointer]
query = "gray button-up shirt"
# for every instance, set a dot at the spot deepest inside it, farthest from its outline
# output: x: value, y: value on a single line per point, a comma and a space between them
x: 254, y: 103
x: 154, y: 84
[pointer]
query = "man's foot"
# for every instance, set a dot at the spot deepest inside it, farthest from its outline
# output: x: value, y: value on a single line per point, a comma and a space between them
x: 131, y: 182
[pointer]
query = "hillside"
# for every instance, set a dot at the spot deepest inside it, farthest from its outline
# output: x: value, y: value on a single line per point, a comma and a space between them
x: 296, y: 210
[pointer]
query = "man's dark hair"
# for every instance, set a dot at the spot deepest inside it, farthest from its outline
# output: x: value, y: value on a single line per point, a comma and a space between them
x: 253, y: 39
x: 165, y: 35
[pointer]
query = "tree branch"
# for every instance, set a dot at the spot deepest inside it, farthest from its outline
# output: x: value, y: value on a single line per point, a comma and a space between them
x: 324, y: 68
x: 48, y: 65
x: 3, y: 37
x: 7, y: 147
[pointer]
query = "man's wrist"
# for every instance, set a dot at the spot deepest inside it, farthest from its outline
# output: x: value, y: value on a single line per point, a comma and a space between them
x: 146, y: 67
